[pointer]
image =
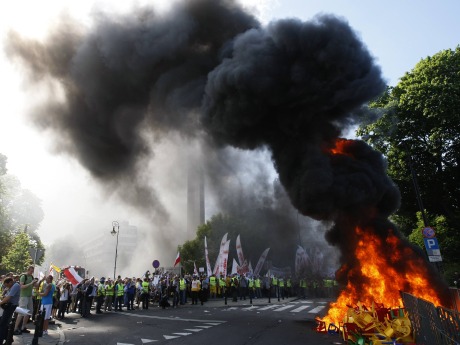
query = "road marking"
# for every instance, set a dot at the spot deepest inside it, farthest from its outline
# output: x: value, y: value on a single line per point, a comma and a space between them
x: 317, y: 309
x: 232, y: 308
x: 306, y: 301
x: 183, y: 333
x: 145, y: 341
x: 213, y: 324
x: 269, y: 307
x: 204, y: 326
x: 124, y: 344
x: 170, y: 318
x: 250, y: 308
x: 167, y: 337
x: 300, y: 309
x: 283, y: 308
x: 193, y: 329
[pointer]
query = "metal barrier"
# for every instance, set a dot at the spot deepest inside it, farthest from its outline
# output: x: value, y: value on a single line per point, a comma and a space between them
x: 455, y: 297
x: 432, y: 325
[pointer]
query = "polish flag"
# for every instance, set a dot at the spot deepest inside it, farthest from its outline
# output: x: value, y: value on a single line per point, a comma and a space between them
x: 72, y: 276
x: 177, y: 259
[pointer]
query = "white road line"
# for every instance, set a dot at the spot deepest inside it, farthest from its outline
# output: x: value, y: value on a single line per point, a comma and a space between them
x: 250, y: 308
x: 146, y: 341
x: 268, y: 307
x: 167, y: 337
x: 212, y: 324
x: 300, y: 309
x: 193, y: 329
x: 231, y: 308
x: 182, y: 333
x: 317, y: 309
x: 170, y: 318
x: 204, y: 326
x: 306, y: 301
x: 283, y: 308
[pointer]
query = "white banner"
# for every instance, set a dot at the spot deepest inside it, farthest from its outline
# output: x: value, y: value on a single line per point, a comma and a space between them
x: 224, y: 259
x: 218, y: 264
x: 301, y: 260
x: 261, y: 261
x: 208, y: 264
x: 239, y: 251
x: 234, y: 267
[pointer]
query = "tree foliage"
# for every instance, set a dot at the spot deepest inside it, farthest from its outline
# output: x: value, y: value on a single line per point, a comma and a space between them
x: 20, y: 215
x: 420, y: 129
x: 18, y: 257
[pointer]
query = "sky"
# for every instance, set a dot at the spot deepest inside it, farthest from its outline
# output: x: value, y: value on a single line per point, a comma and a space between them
x: 398, y: 34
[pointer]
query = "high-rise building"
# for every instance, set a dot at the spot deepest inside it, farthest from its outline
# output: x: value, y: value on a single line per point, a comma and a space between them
x: 195, y: 198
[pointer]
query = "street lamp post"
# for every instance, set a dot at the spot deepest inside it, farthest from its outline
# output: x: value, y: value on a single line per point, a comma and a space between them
x: 115, y: 232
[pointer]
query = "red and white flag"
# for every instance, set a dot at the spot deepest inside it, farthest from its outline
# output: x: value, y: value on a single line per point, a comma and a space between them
x: 72, y: 276
x: 177, y: 259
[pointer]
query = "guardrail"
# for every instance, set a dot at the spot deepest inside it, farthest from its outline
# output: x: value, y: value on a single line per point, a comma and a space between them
x: 433, y: 325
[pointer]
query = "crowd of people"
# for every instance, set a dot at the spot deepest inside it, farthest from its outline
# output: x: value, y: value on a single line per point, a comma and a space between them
x: 56, y: 298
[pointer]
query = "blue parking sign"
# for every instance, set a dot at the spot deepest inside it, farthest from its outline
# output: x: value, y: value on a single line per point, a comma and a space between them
x: 431, y: 243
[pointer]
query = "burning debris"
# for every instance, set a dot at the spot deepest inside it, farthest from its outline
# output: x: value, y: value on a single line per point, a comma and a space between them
x: 210, y: 71
x: 376, y: 325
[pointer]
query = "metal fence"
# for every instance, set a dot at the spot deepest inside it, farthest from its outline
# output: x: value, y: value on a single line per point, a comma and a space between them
x: 432, y: 325
x: 455, y: 297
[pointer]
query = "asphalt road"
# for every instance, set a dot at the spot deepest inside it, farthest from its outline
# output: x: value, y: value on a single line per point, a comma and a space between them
x: 285, y: 322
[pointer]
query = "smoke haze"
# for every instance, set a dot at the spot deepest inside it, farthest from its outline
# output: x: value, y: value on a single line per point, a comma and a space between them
x: 138, y: 94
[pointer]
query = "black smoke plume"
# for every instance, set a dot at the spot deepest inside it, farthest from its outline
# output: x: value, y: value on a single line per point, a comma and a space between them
x: 210, y: 72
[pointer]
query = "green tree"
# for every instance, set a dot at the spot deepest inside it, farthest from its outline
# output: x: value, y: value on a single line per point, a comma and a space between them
x: 18, y: 257
x: 420, y: 128
x: 20, y: 212
x: 5, y: 228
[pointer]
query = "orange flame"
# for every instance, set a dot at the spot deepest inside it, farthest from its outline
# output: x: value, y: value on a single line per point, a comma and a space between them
x: 340, y: 147
x: 383, y: 281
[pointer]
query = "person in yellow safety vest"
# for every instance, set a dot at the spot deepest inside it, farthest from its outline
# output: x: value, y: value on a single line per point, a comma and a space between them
x: 182, y: 290
x: 213, y: 286
x: 222, y: 286
x: 281, y: 287
x: 251, y: 287
x: 328, y: 284
x: 38, y: 298
x: 119, y: 294
x: 234, y: 286
x: 109, y: 292
x: 274, y: 286
x: 303, y: 288
x: 257, y: 286
x: 289, y: 287
x: 145, y: 293
x: 100, y: 295
x: 196, y: 287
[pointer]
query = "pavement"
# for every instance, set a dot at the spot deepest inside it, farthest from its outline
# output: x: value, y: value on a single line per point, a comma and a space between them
x: 56, y: 334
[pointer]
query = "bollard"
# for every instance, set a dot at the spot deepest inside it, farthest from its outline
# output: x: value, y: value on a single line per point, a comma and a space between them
x: 9, y: 337
x: 225, y: 294
x: 38, y: 326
